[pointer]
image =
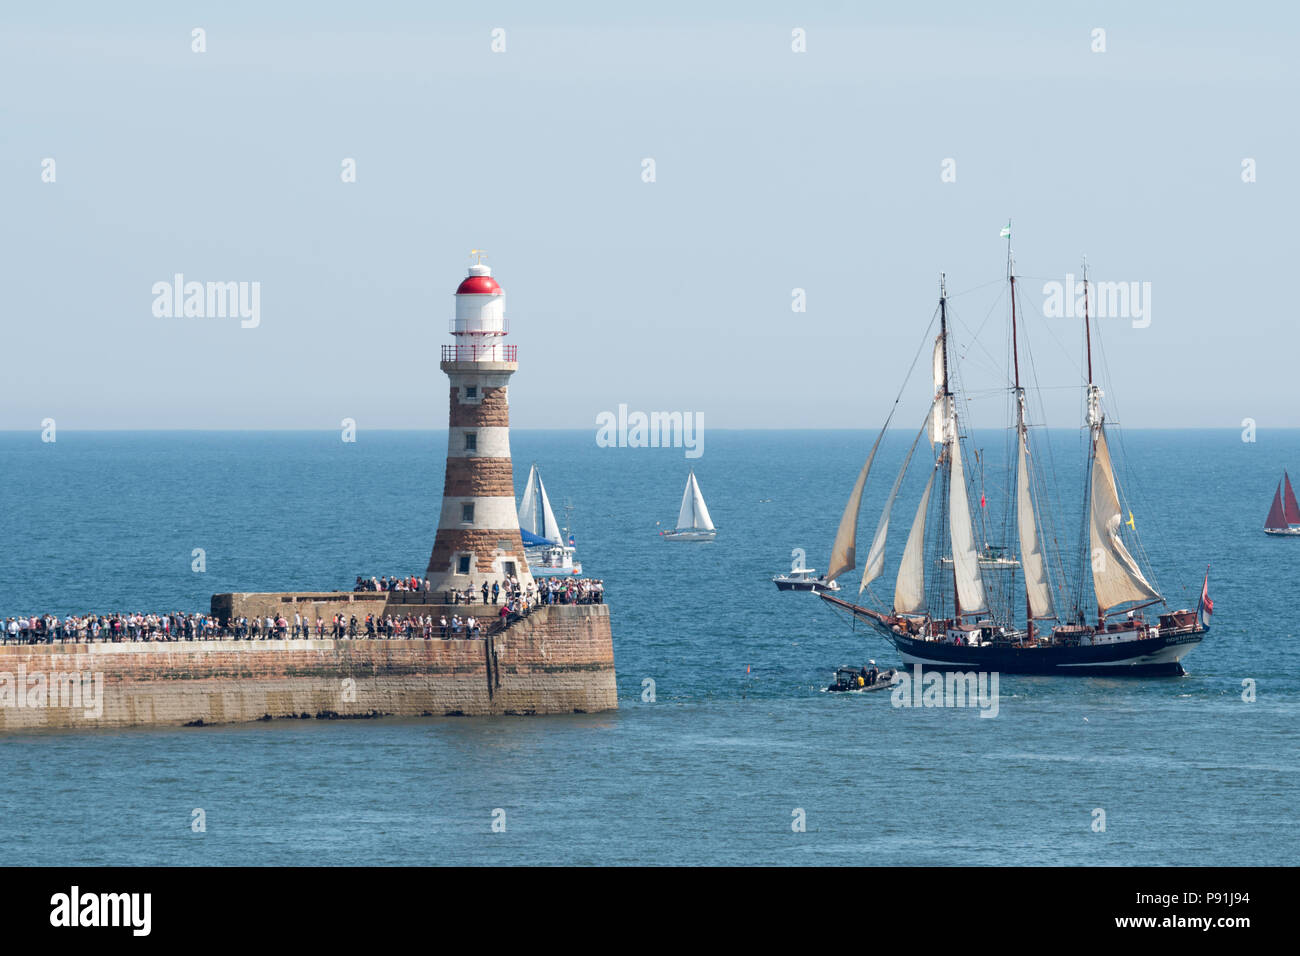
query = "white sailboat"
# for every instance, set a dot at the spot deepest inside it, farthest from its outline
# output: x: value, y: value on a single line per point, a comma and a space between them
x: 535, y: 514
x: 693, y: 521
x: 544, y: 546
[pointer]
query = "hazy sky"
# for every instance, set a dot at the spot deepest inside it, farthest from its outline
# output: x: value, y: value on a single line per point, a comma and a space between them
x: 774, y: 170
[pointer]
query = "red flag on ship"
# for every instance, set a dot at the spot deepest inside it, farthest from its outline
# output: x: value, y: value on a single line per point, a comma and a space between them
x: 1207, y: 605
x: 982, y: 504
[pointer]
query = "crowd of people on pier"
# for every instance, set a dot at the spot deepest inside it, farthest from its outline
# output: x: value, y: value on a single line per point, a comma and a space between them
x: 411, y: 582
x: 512, y: 601
x: 547, y: 590
x: 115, y: 628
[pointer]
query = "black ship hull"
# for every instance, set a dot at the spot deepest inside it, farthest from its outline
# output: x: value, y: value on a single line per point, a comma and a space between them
x: 799, y: 586
x: 1111, y: 655
x: 1149, y: 657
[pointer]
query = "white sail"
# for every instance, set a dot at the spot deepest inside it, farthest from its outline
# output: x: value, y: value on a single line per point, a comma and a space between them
x: 702, y: 520
x: 940, y: 380
x: 844, y: 552
x: 694, y: 515
x: 528, y: 503
x: 1115, y: 575
x: 965, y: 561
x: 1031, y: 552
x: 876, y: 556
x: 909, y: 589
x: 535, y: 514
x: 686, y: 516
x: 550, y: 527
x: 938, y: 421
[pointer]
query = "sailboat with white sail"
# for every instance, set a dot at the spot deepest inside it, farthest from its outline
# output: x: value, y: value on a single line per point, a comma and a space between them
x: 946, y: 614
x: 1284, y: 517
x: 545, y: 549
x: 693, y: 521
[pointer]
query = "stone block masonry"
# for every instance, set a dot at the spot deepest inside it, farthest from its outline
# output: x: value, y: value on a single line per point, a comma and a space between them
x: 558, y: 660
x: 492, y: 410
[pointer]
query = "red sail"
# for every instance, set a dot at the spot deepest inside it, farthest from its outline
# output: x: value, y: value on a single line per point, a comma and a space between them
x: 1288, y: 501
x: 1276, y: 516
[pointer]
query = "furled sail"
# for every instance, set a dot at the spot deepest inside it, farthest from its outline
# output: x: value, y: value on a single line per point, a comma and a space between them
x: 1031, y: 552
x: 1276, y: 514
x: 535, y: 514
x: 940, y: 379
x: 909, y: 589
x: 965, y: 562
x: 1115, y: 575
x: 844, y: 552
x: 941, y: 410
x: 694, y: 514
x: 1292, y: 510
x: 876, y: 556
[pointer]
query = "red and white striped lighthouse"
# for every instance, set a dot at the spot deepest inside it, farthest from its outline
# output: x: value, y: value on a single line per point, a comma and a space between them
x: 478, y: 529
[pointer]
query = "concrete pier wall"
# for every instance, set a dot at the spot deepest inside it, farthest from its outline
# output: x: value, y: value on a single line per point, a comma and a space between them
x: 558, y: 660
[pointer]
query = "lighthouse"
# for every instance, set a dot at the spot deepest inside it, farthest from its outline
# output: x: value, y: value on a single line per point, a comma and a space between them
x: 478, y: 528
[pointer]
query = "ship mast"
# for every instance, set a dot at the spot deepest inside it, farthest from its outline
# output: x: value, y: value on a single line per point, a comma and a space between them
x: 1116, y: 576
x: 947, y: 405
x: 1033, y: 562
x: 1095, y: 416
x: 1020, y: 411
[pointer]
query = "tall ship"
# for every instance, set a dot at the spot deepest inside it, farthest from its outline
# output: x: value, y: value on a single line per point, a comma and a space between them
x: 1050, y: 613
x: 1284, y: 517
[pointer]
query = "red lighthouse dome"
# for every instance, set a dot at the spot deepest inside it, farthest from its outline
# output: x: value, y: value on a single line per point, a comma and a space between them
x: 479, y: 281
x: 479, y: 285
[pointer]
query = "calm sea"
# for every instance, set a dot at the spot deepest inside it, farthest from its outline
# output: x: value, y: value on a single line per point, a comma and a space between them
x: 739, y: 738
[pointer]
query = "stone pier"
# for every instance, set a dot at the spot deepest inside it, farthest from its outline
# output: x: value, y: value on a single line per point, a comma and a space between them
x: 559, y: 659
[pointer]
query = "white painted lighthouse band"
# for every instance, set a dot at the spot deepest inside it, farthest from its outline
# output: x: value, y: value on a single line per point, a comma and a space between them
x: 478, y: 529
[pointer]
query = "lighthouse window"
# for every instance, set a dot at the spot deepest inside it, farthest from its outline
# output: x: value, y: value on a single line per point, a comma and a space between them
x: 467, y: 512
x: 462, y: 566
x: 471, y: 391
x: 471, y: 441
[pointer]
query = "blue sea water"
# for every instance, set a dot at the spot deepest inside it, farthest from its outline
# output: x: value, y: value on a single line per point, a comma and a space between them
x: 739, y: 737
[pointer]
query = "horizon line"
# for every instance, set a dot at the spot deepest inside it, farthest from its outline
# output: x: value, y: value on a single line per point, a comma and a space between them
x: 588, y: 428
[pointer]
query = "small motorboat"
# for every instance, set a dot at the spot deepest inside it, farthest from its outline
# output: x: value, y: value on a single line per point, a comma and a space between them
x: 849, y: 680
x: 556, y: 561
x: 802, y: 579
x: 991, y: 558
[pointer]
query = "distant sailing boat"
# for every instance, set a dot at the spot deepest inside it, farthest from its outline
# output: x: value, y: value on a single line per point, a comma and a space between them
x: 1285, y: 514
x: 544, y: 547
x: 536, y: 519
x: 947, y: 613
x: 693, y: 521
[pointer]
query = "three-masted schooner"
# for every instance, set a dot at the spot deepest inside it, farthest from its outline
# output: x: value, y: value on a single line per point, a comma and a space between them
x: 947, y: 613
